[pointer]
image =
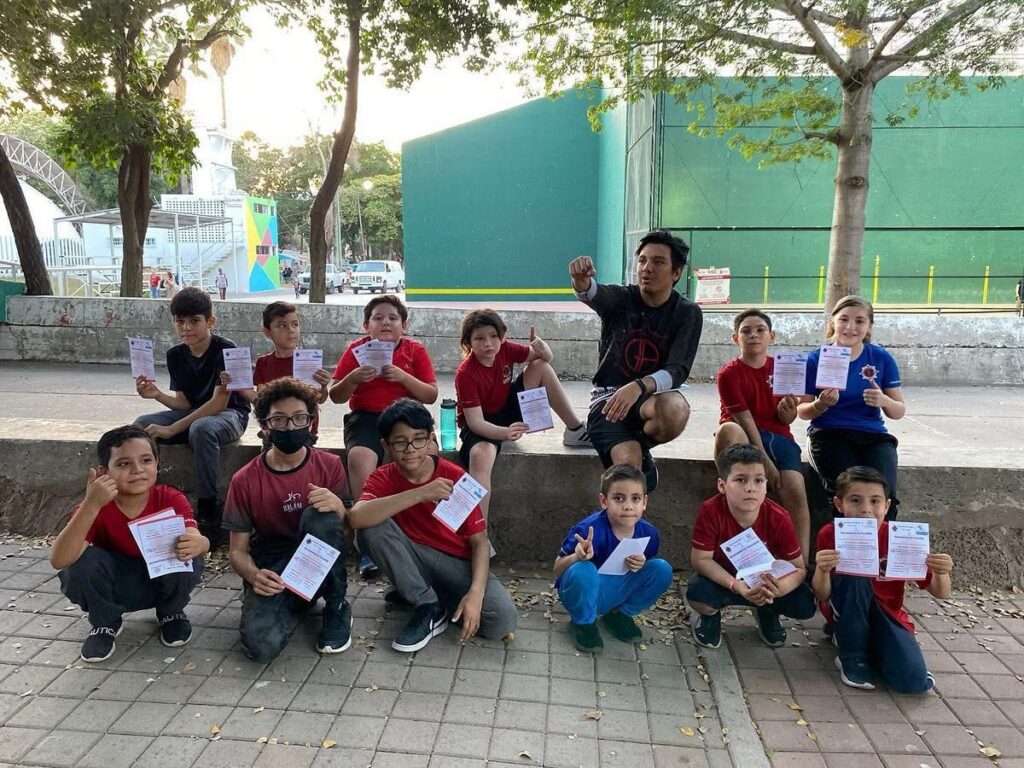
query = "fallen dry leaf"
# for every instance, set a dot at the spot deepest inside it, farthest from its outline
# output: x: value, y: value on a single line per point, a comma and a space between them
x: 214, y: 729
x: 526, y: 755
x: 990, y: 752
x: 686, y: 731
x: 795, y: 707
x: 328, y: 743
x: 190, y: 667
x: 594, y: 714
x: 258, y: 709
x: 262, y: 740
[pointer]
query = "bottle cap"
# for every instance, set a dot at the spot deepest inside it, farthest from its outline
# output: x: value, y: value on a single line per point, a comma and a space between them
x: 447, y: 403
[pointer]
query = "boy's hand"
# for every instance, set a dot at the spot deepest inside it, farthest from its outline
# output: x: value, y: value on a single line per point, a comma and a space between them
x: 771, y: 474
x: 826, y: 560
x: 618, y: 405
x: 158, y: 432
x: 322, y: 500
x: 437, y: 490
x: 581, y: 268
x: 190, y: 545
x: 147, y: 388
x: 322, y: 377
x: 875, y: 397
x: 786, y: 409
x: 470, y: 608
x: 516, y: 430
x: 266, y: 583
x: 100, y: 489
x: 940, y: 564
x: 362, y: 374
x: 827, y: 397
x: 393, y: 373
x: 585, y: 547
x: 540, y: 349
x: 758, y: 595
x: 636, y: 562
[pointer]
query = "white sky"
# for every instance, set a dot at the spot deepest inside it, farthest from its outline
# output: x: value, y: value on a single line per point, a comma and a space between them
x: 271, y: 90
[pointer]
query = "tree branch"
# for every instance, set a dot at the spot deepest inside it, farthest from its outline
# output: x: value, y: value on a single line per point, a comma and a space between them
x: 819, y: 16
x: 887, y: 38
x: 184, y: 48
x: 822, y: 46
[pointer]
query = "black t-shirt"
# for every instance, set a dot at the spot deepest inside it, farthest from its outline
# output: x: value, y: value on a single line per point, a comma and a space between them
x: 197, y: 377
x: 637, y: 340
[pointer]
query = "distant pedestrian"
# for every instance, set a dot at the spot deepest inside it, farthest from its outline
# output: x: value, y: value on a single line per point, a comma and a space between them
x: 1020, y: 297
x: 222, y: 284
x: 171, y: 285
x: 154, y: 284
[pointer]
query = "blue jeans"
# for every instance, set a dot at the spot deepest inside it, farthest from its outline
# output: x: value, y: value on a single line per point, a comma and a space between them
x: 205, y: 436
x: 866, y: 634
x: 587, y: 594
x: 798, y: 604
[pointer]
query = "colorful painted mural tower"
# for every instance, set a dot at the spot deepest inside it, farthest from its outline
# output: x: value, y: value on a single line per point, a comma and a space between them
x: 261, y: 243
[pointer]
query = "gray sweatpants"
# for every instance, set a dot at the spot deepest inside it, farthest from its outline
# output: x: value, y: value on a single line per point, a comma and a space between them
x: 425, y: 575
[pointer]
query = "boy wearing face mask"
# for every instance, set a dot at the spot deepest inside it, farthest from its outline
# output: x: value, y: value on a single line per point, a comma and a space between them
x: 274, y: 501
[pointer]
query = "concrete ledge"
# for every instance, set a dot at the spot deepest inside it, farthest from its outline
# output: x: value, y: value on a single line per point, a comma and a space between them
x: 931, y: 349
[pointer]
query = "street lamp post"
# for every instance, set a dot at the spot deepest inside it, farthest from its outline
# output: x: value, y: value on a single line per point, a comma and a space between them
x: 367, y: 186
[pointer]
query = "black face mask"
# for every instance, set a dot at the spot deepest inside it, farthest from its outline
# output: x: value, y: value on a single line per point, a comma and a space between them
x: 288, y: 441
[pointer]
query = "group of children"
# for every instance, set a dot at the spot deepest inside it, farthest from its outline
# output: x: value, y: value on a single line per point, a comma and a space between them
x: 385, y: 499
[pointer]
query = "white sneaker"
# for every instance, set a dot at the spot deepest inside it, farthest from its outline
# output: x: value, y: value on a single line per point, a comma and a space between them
x: 576, y: 438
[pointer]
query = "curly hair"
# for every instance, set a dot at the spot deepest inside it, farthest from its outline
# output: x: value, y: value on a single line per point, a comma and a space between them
x: 281, y: 389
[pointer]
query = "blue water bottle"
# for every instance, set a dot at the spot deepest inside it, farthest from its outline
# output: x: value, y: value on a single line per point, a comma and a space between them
x: 448, y: 429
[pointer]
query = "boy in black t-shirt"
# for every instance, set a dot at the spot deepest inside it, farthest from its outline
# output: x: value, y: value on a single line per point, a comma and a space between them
x: 200, y: 413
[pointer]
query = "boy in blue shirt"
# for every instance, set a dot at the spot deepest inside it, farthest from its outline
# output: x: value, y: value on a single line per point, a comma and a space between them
x: 587, y: 594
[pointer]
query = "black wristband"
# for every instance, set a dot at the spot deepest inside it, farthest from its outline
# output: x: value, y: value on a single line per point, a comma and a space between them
x: 642, y: 384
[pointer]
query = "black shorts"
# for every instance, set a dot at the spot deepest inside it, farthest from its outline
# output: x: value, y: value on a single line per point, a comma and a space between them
x: 508, y: 415
x: 361, y: 431
x: 605, y: 435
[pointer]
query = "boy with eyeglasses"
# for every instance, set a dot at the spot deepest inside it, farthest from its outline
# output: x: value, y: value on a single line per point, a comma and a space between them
x: 274, y: 501
x: 440, y: 572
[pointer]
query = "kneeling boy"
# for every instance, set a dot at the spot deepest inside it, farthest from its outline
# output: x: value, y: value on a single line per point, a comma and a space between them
x: 101, y: 567
x: 274, y: 501
x: 870, y: 626
x: 440, y: 572
x: 740, y: 505
x: 584, y: 591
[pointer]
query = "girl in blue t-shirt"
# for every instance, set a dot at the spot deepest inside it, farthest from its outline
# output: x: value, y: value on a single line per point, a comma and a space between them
x: 847, y: 428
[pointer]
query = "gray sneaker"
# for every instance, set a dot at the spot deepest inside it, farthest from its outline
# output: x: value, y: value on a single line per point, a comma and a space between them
x: 576, y: 438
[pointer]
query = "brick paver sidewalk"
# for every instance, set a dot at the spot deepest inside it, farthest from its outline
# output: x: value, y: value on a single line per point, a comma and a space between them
x: 538, y: 702
x: 808, y: 718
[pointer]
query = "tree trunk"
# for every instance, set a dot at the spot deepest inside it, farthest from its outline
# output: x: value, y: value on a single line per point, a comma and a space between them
x: 134, y: 202
x: 339, y: 154
x: 846, y: 244
x: 30, y: 254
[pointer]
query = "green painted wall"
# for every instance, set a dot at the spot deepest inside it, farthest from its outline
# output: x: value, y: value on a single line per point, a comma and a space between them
x: 610, y: 196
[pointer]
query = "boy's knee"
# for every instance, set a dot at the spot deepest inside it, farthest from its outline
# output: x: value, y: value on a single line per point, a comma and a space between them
x: 583, y: 573
x: 729, y: 433
x: 94, y: 563
x: 660, y: 571
x: 323, y: 525
x: 263, y: 646
x: 483, y: 454
x: 503, y: 618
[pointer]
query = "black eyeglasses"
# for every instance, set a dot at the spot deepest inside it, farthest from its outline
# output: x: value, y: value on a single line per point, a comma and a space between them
x: 401, y: 446
x: 280, y: 421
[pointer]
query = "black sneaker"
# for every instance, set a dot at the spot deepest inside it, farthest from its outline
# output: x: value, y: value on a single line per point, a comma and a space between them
x: 586, y: 637
x: 99, y: 645
x: 394, y: 598
x: 707, y: 630
x: 650, y: 470
x: 427, y: 621
x: 622, y: 627
x: 769, y: 628
x: 855, y: 675
x: 336, y: 632
x: 367, y: 568
x: 175, y: 629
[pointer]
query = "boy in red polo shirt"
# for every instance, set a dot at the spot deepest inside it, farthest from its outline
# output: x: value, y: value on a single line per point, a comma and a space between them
x: 871, y: 628
x: 741, y: 505
x: 751, y: 413
x: 100, y: 566
x: 440, y: 572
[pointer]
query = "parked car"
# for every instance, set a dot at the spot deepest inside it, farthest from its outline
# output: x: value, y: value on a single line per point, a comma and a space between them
x: 336, y: 280
x: 374, y: 276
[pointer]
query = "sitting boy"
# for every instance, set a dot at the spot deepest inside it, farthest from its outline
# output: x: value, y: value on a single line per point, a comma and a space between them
x: 871, y: 628
x: 752, y: 414
x: 200, y: 413
x: 438, y: 571
x: 740, y: 505
x: 273, y: 502
x: 586, y: 593
x: 101, y: 568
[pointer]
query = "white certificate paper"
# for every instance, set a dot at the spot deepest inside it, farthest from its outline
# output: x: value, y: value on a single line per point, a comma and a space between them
x: 790, y: 374
x: 833, y: 367
x: 746, y: 550
x: 156, y: 536
x: 306, y: 362
x: 909, y: 545
x: 536, y: 411
x: 140, y: 352
x: 238, y: 364
x: 309, y: 567
x: 857, y: 543
x: 466, y: 495
x: 615, y: 565
x: 376, y: 353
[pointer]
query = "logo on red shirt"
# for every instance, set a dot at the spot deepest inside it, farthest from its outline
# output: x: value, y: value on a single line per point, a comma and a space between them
x: 293, y: 503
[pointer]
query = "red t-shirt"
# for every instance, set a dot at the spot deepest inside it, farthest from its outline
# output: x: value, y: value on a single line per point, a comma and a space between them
x: 888, y: 593
x: 269, y: 504
x: 377, y: 394
x: 110, y: 528
x: 418, y: 521
x: 477, y: 386
x: 270, y: 368
x: 744, y: 388
x: 716, y: 525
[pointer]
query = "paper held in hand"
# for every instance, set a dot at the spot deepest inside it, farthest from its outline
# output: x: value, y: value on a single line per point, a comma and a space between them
x: 156, y: 536
x: 751, y: 558
x: 305, y: 363
x: 857, y: 544
x: 466, y: 495
x: 535, y: 409
x: 375, y: 353
x: 833, y: 367
x: 909, y: 545
x: 238, y: 364
x: 615, y: 565
x: 790, y: 374
x: 140, y: 352
x: 309, y: 567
